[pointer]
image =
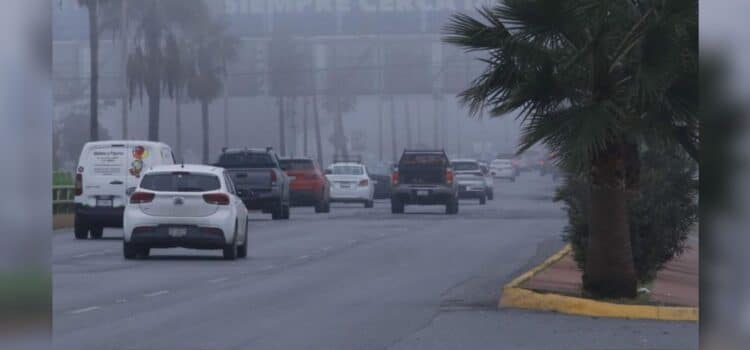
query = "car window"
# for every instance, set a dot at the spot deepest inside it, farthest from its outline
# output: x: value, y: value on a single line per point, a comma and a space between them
x: 347, y: 170
x: 297, y: 164
x: 246, y: 160
x: 465, y: 166
x: 180, y: 182
x: 424, y: 159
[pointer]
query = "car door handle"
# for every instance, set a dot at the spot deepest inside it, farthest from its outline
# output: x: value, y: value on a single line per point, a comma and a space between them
x: 116, y: 182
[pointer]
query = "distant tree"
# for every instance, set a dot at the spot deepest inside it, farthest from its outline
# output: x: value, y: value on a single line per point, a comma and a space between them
x: 288, y: 62
x: 93, y: 7
x: 212, y: 48
x: 157, y: 23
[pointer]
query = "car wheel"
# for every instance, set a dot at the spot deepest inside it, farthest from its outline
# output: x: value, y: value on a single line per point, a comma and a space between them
x: 129, y: 251
x: 369, y: 204
x: 278, y: 212
x: 482, y: 200
x: 230, y: 251
x: 451, y: 207
x: 242, y: 249
x: 491, y: 195
x: 97, y: 232
x: 320, y: 206
x: 285, y: 212
x: 397, y: 206
x: 81, y: 229
x: 327, y: 208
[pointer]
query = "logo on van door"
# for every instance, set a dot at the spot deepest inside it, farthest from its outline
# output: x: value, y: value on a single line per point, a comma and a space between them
x: 139, y: 154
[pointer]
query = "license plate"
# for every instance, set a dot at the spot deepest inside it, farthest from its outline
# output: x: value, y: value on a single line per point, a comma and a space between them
x: 177, y: 232
x: 346, y: 186
x: 103, y: 202
x: 423, y: 193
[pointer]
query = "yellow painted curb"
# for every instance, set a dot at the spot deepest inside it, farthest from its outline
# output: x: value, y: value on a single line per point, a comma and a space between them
x: 514, y: 296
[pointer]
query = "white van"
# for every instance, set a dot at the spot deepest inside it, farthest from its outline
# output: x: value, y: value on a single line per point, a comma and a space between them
x: 107, y: 173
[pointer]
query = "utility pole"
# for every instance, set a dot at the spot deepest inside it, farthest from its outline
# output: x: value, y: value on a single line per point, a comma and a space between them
x: 124, y: 66
x: 394, y: 146
x: 304, y: 125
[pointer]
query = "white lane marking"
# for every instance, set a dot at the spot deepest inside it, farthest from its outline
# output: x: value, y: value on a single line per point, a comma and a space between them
x: 268, y: 267
x: 327, y: 248
x: 84, y: 255
x: 121, y: 301
x: 84, y: 310
x: 303, y: 257
x: 218, y: 280
x: 156, y: 294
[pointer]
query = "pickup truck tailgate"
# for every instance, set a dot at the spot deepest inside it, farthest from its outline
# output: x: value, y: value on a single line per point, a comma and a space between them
x: 422, y: 174
x: 251, y: 178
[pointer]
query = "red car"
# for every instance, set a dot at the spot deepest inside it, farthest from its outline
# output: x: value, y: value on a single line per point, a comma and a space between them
x: 308, y: 186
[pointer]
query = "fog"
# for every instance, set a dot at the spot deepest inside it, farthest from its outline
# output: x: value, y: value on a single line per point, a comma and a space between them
x: 378, y: 65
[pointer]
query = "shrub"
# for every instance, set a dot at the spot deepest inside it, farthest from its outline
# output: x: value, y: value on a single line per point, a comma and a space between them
x: 661, y: 212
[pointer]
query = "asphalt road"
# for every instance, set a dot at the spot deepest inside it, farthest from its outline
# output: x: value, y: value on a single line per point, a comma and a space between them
x: 353, y: 279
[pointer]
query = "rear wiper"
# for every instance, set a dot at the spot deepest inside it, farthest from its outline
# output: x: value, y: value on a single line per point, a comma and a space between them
x: 190, y: 189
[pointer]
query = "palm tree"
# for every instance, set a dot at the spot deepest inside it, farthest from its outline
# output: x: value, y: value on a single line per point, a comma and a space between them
x: 93, y: 15
x: 212, y: 48
x: 286, y: 58
x: 157, y: 22
x: 591, y: 79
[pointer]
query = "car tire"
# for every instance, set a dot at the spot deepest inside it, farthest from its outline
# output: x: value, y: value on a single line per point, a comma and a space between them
x: 327, y: 208
x: 129, y: 251
x: 369, y: 204
x: 451, y: 208
x: 242, y: 249
x: 491, y: 195
x: 320, y: 206
x: 230, y: 251
x: 482, y: 200
x: 97, y: 232
x: 81, y: 229
x: 278, y: 212
x: 397, y: 206
x: 285, y: 212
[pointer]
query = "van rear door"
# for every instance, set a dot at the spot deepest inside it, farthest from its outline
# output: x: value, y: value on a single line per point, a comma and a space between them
x: 105, y: 175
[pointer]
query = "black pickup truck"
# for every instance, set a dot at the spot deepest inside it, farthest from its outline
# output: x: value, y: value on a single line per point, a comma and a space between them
x: 259, y: 180
x: 424, y: 177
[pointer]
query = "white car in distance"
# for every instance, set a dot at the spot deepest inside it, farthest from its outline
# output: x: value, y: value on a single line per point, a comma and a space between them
x: 503, y: 169
x: 189, y: 206
x: 350, y: 183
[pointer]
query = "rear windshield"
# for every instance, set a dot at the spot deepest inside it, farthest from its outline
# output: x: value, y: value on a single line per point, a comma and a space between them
x: 432, y: 159
x: 297, y: 164
x: 465, y: 166
x: 180, y: 182
x: 347, y: 170
x: 246, y: 160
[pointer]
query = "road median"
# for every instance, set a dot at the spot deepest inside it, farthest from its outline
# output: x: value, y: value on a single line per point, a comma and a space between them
x: 553, y: 285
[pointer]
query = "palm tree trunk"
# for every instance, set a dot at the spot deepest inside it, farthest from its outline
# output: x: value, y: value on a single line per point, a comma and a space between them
x: 418, y: 112
x: 282, y: 127
x: 394, y: 146
x: 340, y: 137
x: 178, y: 123
x: 380, y: 128
x: 407, y: 120
x: 609, y: 270
x: 94, y: 52
x: 318, y: 138
x: 226, y: 111
x: 124, y: 66
x: 305, y: 107
x: 154, y: 98
x: 435, y: 124
x: 205, y: 126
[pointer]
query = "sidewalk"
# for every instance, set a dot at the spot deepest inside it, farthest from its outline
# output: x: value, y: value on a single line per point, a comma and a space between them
x: 675, y: 285
x: 556, y: 286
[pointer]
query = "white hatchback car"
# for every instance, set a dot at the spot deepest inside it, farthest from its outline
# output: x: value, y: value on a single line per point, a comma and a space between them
x: 350, y: 183
x: 503, y: 169
x: 189, y: 206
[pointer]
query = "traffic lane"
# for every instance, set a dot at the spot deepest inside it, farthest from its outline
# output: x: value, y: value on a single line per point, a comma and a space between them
x: 103, y: 277
x: 533, y: 330
x: 84, y: 316
x: 365, y: 297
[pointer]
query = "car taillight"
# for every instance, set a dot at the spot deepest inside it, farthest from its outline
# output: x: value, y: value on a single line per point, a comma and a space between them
x: 449, y: 176
x: 273, y: 177
x: 79, y: 184
x: 216, y: 198
x: 364, y: 182
x: 141, y: 197
x: 211, y: 231
x: 394, y: 178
